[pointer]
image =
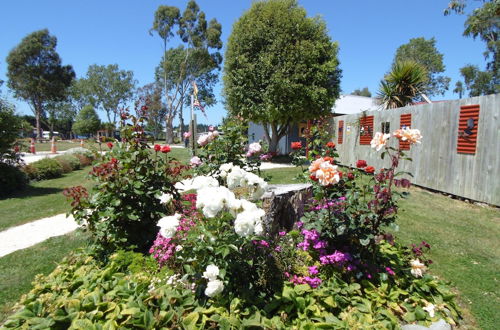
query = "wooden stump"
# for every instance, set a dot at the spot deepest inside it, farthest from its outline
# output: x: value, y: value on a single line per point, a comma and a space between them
x: 284, y: 205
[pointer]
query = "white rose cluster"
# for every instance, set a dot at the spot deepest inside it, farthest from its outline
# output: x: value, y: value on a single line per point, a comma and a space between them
x: 196, y: 183
x: 165, y: 198
x: 214, y: 286
x: 237, y: 177
x: 168, y: 225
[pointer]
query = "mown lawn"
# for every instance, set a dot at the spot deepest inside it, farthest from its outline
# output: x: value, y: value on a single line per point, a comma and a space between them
x: 40, y: 199
x: 18, y: 269
x: 465, y: 246
x: 60, y: 145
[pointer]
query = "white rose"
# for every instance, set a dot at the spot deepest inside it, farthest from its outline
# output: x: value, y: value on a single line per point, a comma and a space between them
x: 165, y: 198
x: 214, y: 288
x: 168, y: 225
x: 211, y: 272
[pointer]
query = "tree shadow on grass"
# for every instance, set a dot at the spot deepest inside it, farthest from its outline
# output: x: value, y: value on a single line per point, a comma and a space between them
x: 31, y: 191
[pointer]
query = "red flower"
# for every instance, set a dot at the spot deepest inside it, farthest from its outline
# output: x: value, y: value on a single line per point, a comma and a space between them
x: 157, y: 147
x: 329, y: 159
x: 370, y: 169
x: 165, y: 149
x: 341, y: 174
x: 330, y: 145
x: 361, y: 163
x: 114, y: 160
x: 296, y: 145
x: 110, y: 145
x: 313, y: 177
x: 350, y: 176
x: 16, y: 148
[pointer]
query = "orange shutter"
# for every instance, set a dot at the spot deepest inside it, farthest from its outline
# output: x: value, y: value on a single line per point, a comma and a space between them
x: 341, y: 132
x: 405, y: 121
x: 467, y: 129
x: 366, y: 130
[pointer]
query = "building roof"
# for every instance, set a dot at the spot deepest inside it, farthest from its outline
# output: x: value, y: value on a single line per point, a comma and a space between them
x: 351, y: 104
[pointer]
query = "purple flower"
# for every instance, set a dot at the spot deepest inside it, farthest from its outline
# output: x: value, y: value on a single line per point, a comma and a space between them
x: 313, y: 270
x: 390, y: 271
x: 282, y: 233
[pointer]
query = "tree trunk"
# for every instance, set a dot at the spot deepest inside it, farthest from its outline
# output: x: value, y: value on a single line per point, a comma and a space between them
x: 169, y: 139
x: 181, y: 122
x: 38, y: 113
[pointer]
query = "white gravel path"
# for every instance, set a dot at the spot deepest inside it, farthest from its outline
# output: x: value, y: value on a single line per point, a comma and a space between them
x: 29, y: 234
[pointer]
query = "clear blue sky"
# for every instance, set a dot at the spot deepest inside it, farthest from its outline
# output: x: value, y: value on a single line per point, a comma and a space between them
x: 116, y: 31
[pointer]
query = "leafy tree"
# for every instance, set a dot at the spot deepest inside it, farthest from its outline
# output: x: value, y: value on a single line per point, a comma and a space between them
x: 182, y: 65
x: 35, y: 73
x: 478, y: 82
x: 87, y: 122
x: 459, y: 89
x: 484, y: 23
x: 281, y: 67
x: 149, y: 105
x: 425, y: 53
x: 362, y: 92
x: 107, y: 88
x: 10, y: 125
x: 403, y: 85
x: 61, y: 116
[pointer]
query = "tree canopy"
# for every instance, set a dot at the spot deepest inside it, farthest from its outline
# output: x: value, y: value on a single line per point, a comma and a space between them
x: 362, y: 92
x: 478, y: 82
x: 280, y: 67
x: 36, y: 74
x: 87, y: 121
x: 425, y: 53
x: 194, y: 61
x: 106, y: 88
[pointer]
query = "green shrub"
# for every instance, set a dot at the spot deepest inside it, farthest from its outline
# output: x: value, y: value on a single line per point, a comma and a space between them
x: 12, y: 179
x: 47, y: 168
x: 65, y: 165
x: 31, y: 172
x: 72, y: 160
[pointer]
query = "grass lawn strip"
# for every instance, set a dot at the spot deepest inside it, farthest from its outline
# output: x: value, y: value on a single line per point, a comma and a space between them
x: 40, y: 200
x: 18, y: 269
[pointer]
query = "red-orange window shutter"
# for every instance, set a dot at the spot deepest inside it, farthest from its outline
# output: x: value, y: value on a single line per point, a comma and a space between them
x: 341, y: 132
x: 467, y: 129
x: 366, y: 130
x: 405, y: 122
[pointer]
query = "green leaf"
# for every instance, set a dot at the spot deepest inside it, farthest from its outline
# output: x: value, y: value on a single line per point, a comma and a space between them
x: 189, y: 321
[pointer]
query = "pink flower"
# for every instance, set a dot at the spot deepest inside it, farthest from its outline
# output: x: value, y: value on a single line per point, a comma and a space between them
x: 186, y: 135
x: 313, y: 270
x: 195, y: 161
x: 379, y: 140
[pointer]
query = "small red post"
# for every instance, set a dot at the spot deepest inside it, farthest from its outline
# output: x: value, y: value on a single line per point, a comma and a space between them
x: 32, y: 147
x: 53, y: 148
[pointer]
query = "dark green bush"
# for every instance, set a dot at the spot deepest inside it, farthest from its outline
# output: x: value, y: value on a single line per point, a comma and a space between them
x: 85, y: 159
x: 47, y: 168
x: 12, y: 179
x: 31, y: 172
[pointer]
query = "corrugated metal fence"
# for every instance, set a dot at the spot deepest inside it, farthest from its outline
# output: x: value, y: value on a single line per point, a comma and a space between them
x: 460, y: 149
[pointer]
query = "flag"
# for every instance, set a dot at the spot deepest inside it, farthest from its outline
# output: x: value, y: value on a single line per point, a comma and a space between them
x: 197, y: 104
x: 195, y: 90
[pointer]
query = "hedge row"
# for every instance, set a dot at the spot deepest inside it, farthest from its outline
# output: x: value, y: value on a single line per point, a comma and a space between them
x: 50, y: 168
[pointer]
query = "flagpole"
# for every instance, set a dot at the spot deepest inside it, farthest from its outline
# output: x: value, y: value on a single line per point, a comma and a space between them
x: 193, y: 130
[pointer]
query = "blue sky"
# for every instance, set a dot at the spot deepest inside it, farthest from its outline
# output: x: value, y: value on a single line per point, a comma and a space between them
x: 116, y: 31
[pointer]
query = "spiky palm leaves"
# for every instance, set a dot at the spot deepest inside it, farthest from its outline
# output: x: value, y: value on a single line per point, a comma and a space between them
x: 401, y: 86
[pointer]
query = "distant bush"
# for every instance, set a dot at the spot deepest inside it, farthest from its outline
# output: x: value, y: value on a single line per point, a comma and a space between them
x: 12, y: 179
x: 66, y: 166
x: 47, y: 168
x: 71, y: 160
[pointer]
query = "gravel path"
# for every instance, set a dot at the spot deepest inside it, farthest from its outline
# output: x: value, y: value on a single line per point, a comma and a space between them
x: 29, y: 234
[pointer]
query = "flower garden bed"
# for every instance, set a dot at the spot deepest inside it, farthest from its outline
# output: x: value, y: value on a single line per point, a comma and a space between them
x: 204, y: 259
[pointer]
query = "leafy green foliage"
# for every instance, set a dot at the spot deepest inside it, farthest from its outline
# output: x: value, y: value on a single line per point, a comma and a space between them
x: 403, y: 85
x: 425, y: 53
x: 12, y: 179
x: 35, y: 72
x: 281, y: 67
x: 87, y: 121
x: 478, y: 82
x: 43, y: 169
x: 106, y: 88
x: 123, y: 207
x: 362, y: 92
x: 10, y: 125
x: 129, y: 292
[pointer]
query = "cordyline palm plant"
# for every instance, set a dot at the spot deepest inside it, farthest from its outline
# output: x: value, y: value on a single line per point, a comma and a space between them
x: 405, y: 82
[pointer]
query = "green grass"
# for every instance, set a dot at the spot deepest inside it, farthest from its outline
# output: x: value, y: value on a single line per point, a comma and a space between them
x: 181, y: 154
x: 40, y: 199
x: 60, y: 145
x: 18, y: 269
x: 465, y: 246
